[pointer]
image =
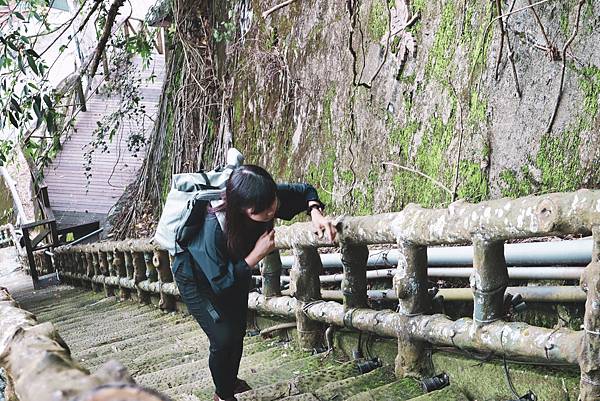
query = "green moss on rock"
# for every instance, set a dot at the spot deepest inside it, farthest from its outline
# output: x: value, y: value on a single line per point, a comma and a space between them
x: 445, y: 394
x: 399, y: 390
x: 473, y: 182
x: 486, y: 380
x: 439, y: 61
x: 346, y: 388
x: 378, y: 20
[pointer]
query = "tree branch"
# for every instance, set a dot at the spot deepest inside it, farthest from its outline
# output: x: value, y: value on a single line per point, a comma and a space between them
x: 111, y: 16
x: 564, y: 66
x: 552, y: 50
x: 412, y: 170
x: 277, y: 7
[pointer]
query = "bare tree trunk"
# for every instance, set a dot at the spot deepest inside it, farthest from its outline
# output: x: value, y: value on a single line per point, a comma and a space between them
x: 113, y: 11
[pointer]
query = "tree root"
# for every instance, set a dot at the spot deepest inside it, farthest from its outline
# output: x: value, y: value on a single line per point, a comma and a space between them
x: 564, y: 67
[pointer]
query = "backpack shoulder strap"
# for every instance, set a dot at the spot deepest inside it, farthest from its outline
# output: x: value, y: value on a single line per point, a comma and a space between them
x: 220, y: 215
x: 221, y: 218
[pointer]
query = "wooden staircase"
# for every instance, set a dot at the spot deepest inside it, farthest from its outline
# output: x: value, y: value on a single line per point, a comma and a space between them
x: 73, y: 199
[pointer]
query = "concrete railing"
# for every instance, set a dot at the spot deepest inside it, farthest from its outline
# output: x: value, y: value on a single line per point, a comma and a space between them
x: 9, y: 237
x: 6, y: 236
x: 138, y: 267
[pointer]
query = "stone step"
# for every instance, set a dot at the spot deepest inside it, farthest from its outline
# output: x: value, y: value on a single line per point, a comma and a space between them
x: 301, y: 397
x: 343, y: 389
x: 169, y: 352
x: 179, y: 347
x: 398, y: 390
x: 303, y: 383
x: 113, y: 342
x: 257, y: 369
x: 445, y: 394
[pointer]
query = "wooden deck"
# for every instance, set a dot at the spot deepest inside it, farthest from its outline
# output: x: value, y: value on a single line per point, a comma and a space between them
x: 71, y: 197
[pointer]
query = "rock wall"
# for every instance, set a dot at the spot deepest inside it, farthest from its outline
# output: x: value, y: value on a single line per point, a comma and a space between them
x: 322, y: 92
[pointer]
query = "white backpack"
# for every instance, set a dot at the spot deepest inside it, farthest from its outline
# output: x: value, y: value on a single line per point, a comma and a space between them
x: 187, y: 191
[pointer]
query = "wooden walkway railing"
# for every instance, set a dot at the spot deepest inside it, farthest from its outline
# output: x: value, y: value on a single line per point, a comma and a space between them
x: 139, y: 267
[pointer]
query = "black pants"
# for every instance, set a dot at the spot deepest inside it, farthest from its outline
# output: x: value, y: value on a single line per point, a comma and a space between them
x: 222, y: 317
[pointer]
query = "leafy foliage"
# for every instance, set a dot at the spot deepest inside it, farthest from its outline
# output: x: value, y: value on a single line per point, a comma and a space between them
x: 124, y: 82
x: 26, y: 100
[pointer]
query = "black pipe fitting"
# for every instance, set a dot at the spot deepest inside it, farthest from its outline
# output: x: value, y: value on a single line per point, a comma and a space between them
x: 527, y: 397
x: 368, y: 365
x: 435, y: 383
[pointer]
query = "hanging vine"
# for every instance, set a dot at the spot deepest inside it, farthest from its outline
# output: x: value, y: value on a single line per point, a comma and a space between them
x: 188, y: 133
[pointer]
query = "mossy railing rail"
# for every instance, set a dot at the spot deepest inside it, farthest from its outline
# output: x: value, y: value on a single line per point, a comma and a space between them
x: 138, y: 266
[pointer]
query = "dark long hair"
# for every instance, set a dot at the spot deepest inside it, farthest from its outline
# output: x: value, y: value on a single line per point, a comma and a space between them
x: 249, y: 187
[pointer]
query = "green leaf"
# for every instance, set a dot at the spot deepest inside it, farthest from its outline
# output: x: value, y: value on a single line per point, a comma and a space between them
x: 11, y: 45
x: 37, y: 108
x: 15, y: 105
x: 20, y: 64
x: 32, y: 64
x: 50, y: 123
x: 19, y: 15
x: 3, y: 3
x: 32, y: 52
x: 13, y: 120
x: 48, y: 101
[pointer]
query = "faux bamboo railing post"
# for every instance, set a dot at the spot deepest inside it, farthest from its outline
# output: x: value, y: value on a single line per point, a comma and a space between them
x: 488, y: 281
x: 109, y: 290
x: 121, y: 272
x: 162, y: 264
x: 71, y: 261
x: 89, y: 266
x: 410, y: 284
x: 139, y: 275
x: 151, y: 272
x: 96, y: 269
x: 306, y: 287
x: 128, y: 264
x: 110, y: 261
x: 270, y: 270
x: 103, y: 263
x: 68, y: 260
x: 81, y: 267
x: 354, y: 283
x: 589, y: 357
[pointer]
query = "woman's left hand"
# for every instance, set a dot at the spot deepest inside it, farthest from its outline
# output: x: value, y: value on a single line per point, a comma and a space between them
x: 322, y: 225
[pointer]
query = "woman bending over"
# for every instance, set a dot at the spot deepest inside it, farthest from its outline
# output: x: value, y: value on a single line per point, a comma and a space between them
x: 213, y: 273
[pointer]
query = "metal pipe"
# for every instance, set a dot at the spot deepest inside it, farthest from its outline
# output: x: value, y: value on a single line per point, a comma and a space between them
x: 529, y: 294
x: 571, y: 252
x: 78, y: 240
x: 516, y: 273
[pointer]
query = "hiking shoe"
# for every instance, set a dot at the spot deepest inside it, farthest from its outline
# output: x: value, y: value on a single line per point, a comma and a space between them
x: 241, y: 386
